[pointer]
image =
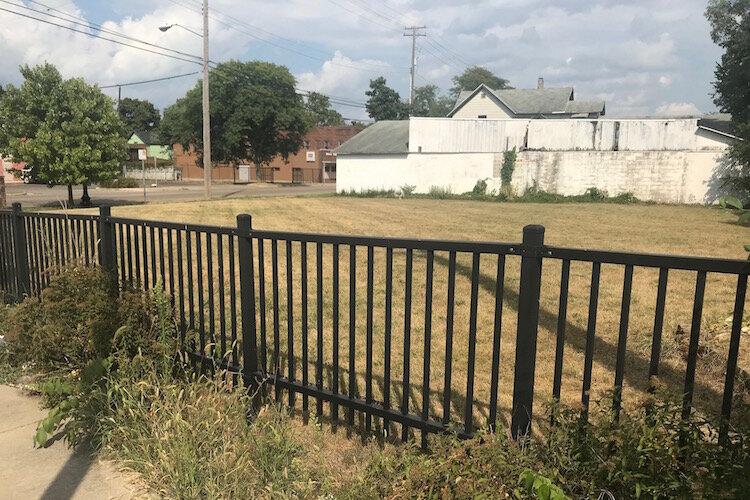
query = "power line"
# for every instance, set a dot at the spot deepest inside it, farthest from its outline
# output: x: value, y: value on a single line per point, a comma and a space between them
x: 99, y: 36
x: 114, y: 85
x: 90, y: 25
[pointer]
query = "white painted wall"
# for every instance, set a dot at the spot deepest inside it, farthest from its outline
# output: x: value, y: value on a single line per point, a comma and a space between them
x: 459, y: 172
x: 445, y: 135
x: 483, y: 104
x: 662, y: 176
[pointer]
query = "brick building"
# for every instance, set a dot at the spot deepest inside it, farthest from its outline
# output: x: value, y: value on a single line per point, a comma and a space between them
x: 314, y: 162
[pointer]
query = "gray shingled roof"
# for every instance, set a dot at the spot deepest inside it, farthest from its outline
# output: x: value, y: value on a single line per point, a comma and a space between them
x: 383, y: 137
x: 149, y: 137
x: 548, y: 101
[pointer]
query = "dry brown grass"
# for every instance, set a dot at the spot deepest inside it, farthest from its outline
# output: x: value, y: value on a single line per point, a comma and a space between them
x: 687, y: 230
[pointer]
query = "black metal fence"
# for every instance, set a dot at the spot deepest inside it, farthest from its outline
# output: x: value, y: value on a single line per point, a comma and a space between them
x: 228, y: 294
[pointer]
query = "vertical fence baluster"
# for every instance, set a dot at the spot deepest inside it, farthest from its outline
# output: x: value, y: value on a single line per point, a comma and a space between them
x: 128, y: 230
x: 427, y: 344
x: 108, y: 250
x: 93, y: 235
x: 695, y: 331
x: 190, y: 282
x: 407, y: 343
x: 222, y: 311
x: 181, y: 286
x: 170, y: 257
x: 233, y: 300
x: 450, y: 305
x: 469, y: 409
x: 144, y: 248
x: 622, y: 340
x: 496, y: 337
x: 734, y: 347
x: 161, y: 260
x: 661, y: 298
x: 590, y: 338
x: 319, y: 318
x: 562, y: 317
x: 387, y: 335
x: 276, y: 333
x: 152, y: 241
x: 262, y: 304
x: 87, y: 257
x: 58, y: 257
x: 201, y: 303
x: 121, y: 236
x: 352, y: 326
x: 368, y: 342
x: 303, y: 272
x: 335, y: 325
x: 290, y: 322
x: 211, y: 306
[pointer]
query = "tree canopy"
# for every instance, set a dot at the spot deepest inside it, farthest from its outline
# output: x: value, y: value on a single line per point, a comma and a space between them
x: 384, y: 103
x: 427, y: 102
x: 730, y: 29
x: 138, y: 114
x: 473, y: 76
x: 256, y: 114
x: 65, y: 131
x: 321, y: 113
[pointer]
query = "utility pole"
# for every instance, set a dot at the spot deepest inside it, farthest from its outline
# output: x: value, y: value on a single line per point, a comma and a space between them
x: 119, y: 96
x: 414, y: 34
x: 206, y: 114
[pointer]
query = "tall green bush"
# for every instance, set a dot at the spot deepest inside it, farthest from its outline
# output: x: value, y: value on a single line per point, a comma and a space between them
x: 509, y: 165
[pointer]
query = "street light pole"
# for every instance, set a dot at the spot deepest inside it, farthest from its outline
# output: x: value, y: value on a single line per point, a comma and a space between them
x: 206, y: 113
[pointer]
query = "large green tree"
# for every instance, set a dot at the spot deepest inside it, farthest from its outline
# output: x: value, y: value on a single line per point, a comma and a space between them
x: 65, y: 131
x: 384, y: 103
x: 321, y: 114
x: 427, y: 102
x: 138, y: 114
x: 473, y: 76
x: 730, y: 29
x: 256, y: 114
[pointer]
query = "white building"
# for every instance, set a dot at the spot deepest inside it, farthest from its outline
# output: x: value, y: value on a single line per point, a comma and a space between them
x: 672, y: 160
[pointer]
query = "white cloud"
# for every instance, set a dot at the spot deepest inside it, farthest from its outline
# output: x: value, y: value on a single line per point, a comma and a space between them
x: 678, y: 109
x: 665, y: 80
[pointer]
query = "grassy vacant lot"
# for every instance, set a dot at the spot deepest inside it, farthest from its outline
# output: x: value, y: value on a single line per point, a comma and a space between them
x: 686, y: 230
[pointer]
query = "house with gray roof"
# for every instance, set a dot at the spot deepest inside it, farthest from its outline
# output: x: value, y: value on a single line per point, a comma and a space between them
x: 541, y: 102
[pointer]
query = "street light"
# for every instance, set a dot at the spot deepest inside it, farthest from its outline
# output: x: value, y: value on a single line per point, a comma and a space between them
x: 206, y: 114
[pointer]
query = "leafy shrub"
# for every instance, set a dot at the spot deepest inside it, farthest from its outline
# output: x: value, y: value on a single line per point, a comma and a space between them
x: 509, y: 165
x: 440, y: 192
x: 480, y: 188
x: 120, y: 182
x: 73, y: 323
x: 596, y: 194
x: 407, y: 190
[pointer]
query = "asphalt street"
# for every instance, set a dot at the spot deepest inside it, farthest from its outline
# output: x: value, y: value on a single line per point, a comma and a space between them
x: 37, y: 195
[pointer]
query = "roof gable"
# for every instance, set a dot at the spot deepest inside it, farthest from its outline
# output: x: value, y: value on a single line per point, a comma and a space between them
x: 383, y: 137
x: 545, y: 101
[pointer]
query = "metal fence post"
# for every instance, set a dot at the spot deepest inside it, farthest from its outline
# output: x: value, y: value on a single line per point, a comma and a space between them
x: 108, y: 243
x: 247, y: 298
x: 23, y: 279
x: 528, y: 325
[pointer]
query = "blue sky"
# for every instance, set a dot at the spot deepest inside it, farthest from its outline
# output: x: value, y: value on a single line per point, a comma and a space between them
x: 642, y: 57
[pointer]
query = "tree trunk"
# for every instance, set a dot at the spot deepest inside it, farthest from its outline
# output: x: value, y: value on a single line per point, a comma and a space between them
x: 85, y: 199
x: 71, y: 202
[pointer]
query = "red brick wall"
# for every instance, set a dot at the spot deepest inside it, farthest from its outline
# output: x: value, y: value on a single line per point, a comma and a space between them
x: 315, y: 141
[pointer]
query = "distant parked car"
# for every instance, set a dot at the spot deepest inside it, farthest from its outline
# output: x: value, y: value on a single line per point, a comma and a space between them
x: 26, y: 175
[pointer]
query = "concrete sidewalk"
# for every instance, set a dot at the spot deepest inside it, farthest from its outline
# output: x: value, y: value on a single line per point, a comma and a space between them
x: 55, y: 472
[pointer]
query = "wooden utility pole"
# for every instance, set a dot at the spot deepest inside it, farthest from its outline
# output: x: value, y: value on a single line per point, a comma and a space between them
x: 413, y: 32
x: 206, y: 113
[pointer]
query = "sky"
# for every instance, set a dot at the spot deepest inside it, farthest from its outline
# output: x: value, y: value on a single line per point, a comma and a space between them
x: 643, y: 57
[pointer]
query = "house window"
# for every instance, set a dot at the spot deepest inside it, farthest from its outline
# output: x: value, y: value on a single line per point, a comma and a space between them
x: 307, y: 144
x: 325, y: 145
x: 330, y: 167
x: 482, y: 116
x: 310, y: 156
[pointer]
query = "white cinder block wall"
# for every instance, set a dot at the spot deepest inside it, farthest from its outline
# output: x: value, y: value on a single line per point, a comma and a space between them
x: 663, y: 160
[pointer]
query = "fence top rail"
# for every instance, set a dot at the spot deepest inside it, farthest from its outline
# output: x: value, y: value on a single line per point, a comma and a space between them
x: 678, y: 262
x: 174, y: 225
x: 62, y: 216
